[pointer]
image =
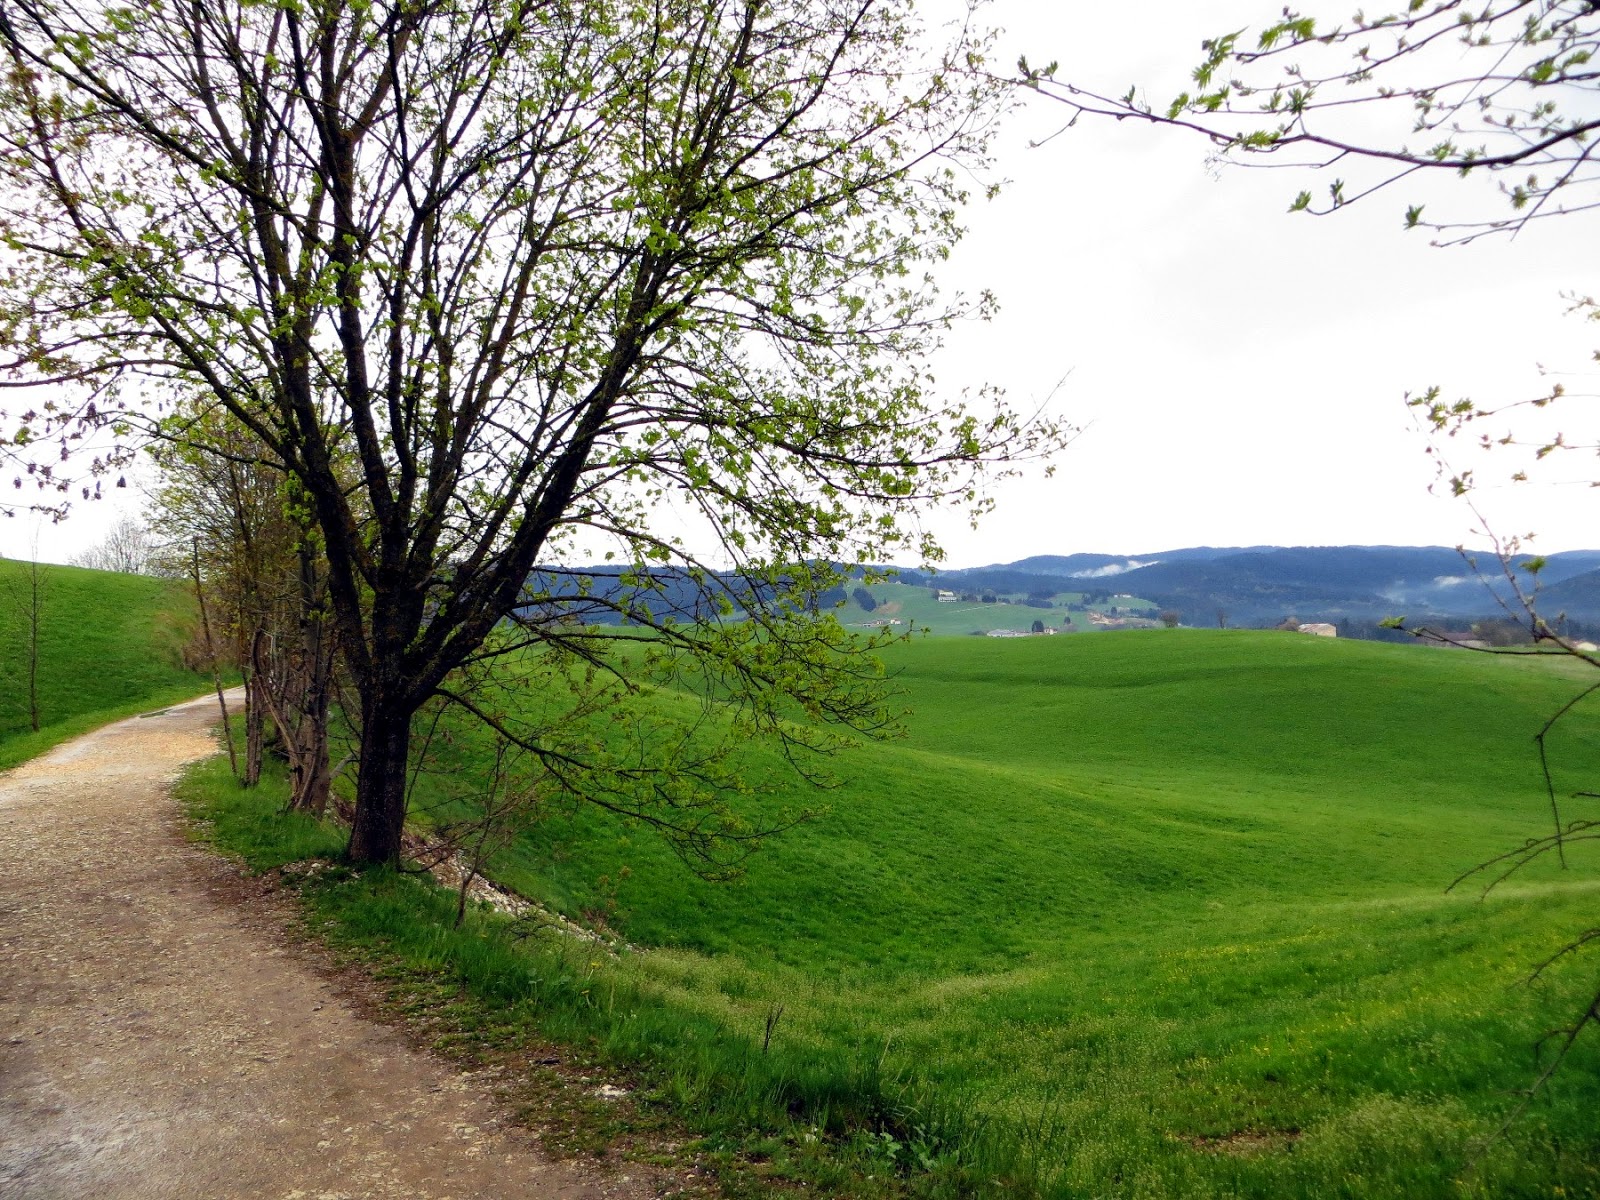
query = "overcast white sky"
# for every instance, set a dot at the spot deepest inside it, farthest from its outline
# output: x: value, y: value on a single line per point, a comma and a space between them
x: 1240, y: 370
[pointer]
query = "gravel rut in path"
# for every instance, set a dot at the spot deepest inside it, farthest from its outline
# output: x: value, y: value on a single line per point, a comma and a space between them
x: 155, y: 1042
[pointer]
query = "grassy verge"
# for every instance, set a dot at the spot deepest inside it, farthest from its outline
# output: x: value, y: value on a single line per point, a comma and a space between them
x: 496, y: 991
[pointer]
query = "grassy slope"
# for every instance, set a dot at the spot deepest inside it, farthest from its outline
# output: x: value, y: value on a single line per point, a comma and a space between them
x: 1120, y: 895
x: 109, y: 645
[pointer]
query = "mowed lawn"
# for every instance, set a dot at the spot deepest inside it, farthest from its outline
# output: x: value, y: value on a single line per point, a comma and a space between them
x: 108, y: 645
x: 1162, y: 913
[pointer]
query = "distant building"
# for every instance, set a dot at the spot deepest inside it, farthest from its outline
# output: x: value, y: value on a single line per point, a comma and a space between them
x: 1320, y: 629
x: 946, y: 597
x: 1008, y: 633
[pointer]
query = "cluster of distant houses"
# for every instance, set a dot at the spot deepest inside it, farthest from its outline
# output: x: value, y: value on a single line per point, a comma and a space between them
x: 1314, y: 628
x: 1133, y: 618
x: 1128, y: 618
x: 1112, y: 620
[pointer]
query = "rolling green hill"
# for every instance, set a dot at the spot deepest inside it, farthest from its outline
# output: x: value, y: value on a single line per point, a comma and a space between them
x: 1163, y: 913
x: 108, y: 644
x: 1147, y: 914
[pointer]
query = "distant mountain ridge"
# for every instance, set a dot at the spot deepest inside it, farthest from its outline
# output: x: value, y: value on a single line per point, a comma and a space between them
x: 1254, y: 584
x: 1205, y: 585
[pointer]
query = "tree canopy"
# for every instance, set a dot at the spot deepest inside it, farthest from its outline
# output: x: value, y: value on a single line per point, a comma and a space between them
x: 499, y: 282
x: 1504, y: 89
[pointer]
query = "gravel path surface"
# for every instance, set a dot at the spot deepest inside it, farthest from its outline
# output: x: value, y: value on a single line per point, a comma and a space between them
x: 156, y: 1041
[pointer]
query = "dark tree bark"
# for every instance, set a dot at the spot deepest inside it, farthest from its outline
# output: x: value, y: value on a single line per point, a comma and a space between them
x: 375, y: 834
x: 310, y: 775
x: 255, y: 710
x: 293, y: 669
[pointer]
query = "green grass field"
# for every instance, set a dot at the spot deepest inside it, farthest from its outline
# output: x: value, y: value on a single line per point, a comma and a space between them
x: 108, y: 645
x: 1154, y: 914
x: 1122, y: 895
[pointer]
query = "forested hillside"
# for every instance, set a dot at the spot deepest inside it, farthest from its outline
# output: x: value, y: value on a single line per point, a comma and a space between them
x: 1263, y: 584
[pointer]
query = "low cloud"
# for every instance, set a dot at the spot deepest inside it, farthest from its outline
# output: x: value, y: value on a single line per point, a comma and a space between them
x: 1450, y: 580
x: 1133, y: 564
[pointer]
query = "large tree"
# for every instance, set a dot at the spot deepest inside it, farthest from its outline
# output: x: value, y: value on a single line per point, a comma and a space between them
x: 502, y: 281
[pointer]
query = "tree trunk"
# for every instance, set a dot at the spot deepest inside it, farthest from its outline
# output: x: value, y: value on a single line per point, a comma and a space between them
x: 255, y: 709
x: 314, y: 663
x: 307, y: 742
x: 380, y: 815
x: 313, y: 776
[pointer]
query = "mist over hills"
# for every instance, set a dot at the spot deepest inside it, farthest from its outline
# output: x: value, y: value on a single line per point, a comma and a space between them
x: 1262, y: 584
x: 1207, y: 585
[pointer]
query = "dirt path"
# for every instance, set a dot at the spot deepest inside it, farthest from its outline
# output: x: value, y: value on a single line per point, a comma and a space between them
x: 156, y: 1042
